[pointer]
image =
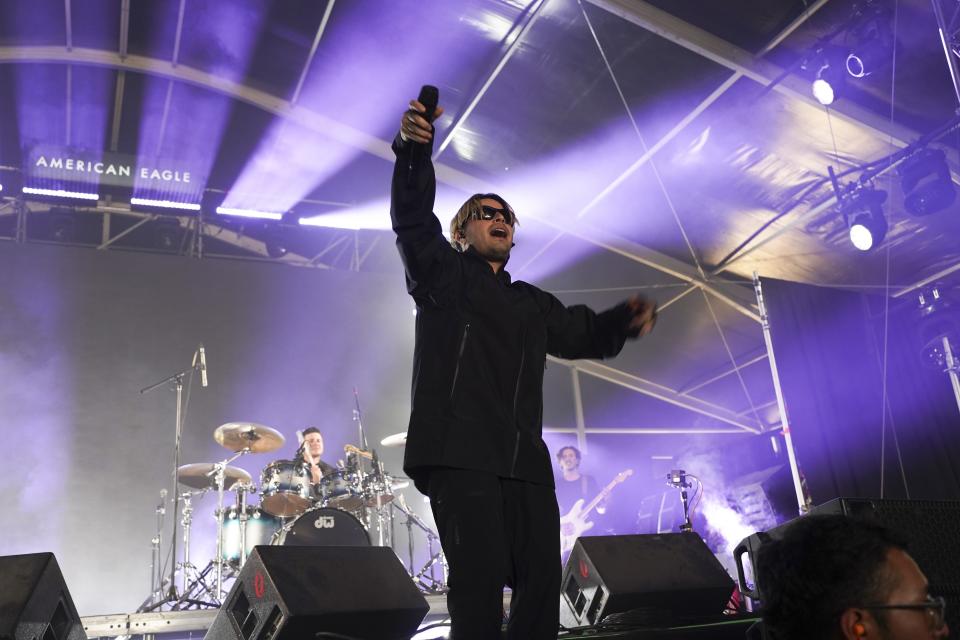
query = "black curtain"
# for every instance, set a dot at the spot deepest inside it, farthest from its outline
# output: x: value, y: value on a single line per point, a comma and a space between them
x: 829, y: 347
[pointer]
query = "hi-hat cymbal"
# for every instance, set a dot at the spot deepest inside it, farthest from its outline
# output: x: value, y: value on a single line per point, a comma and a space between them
x: 237, y: 436
x: 200, y: 475
x: 395, y: 440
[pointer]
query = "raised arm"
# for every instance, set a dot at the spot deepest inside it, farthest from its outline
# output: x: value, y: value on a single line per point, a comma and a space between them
x: 425, y: 253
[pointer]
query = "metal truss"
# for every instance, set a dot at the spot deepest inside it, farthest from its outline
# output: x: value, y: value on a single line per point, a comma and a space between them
x: 658, y: 391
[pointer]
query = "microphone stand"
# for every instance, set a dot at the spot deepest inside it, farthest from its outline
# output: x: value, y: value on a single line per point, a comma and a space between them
x: 359, y: 421
x: 177, y: 380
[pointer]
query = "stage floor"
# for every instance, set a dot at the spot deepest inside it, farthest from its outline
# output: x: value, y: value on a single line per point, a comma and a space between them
x: 176, y: 625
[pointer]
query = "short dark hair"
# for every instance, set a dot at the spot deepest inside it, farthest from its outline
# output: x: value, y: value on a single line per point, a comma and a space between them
x: 309, y: 430
x: 820, y: 567
x: 576, y: 452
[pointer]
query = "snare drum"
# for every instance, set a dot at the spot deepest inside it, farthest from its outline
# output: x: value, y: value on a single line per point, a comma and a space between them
x: 323, y: 527
x: 261, y: 527
x: 341, y: 488
x: 285, y: 488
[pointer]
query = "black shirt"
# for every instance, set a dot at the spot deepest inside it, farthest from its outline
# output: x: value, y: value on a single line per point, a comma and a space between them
x: 569, y: 491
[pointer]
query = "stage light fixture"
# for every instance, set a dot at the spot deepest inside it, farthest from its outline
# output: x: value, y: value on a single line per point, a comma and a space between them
x: 939, y: 318
x: 926, y: 183
x: 873, y: 48
x: 164, y: 204
x: 831, y: 80
x: 869, y: 57
x: 276, y: 248
x: 60, y: 193
x: 864, y: 214
x: 249, y: 213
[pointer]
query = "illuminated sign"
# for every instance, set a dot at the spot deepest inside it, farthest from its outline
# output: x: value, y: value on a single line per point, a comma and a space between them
x: 89, y: 167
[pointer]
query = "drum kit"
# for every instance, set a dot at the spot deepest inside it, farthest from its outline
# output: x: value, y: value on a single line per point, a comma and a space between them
x: 346, y: 507
x: 354, y: 504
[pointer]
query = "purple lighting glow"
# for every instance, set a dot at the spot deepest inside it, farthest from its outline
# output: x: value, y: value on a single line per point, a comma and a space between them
x: 164, y: 204
x: 319, y: 137
x: 371, y: 216
x: 182, y: 125
x: 60, y: 193
x: 249, y: 213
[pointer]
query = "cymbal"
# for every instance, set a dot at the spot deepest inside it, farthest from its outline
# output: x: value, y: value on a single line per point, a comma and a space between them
x: 395, y: 440
x: 237, y: 436
x: 200, y: 475
x: 399, y: 484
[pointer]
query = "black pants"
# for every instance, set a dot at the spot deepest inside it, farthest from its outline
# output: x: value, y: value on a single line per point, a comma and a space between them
x: 496, y: 531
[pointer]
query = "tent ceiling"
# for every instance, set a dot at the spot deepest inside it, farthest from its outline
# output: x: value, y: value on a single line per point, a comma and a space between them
x: 635, y: 139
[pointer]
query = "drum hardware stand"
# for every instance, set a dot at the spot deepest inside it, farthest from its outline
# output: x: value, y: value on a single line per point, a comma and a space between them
x: 156, y: 569
x: 243, y: 517
x: 196, y: 589
x: 187, y: 566
x: 177, y: 380
x: 218, y: 472
x: 382, y: 477
x: 376, y: 471
x: 423, y: 578
x: 426, y: 573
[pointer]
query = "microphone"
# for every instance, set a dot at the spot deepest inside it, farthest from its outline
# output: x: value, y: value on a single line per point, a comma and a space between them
x: 429, y: 97
x: 203, y: 367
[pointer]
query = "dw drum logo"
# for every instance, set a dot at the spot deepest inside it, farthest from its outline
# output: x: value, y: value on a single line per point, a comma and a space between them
x: 325, y: 522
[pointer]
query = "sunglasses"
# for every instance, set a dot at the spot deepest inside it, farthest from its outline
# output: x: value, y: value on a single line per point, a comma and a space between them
x: 490, y: 213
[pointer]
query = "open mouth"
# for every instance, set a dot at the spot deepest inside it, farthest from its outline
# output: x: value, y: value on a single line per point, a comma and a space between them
x: 499, y: 232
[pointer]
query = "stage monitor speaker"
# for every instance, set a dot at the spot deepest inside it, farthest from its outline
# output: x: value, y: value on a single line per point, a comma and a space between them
x: 930, y: 527
x: 34, y: 601
x: 657, y: 578
x: 285, y: 593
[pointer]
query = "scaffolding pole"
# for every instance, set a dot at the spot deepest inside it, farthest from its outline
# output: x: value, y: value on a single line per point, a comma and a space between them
x: 781, y: 405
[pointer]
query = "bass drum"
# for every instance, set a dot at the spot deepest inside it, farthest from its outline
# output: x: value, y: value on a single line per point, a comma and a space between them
x: 323, y: 527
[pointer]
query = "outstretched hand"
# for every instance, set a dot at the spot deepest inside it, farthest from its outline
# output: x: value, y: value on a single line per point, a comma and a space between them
x: 644, y: 315
x: 414, y: 125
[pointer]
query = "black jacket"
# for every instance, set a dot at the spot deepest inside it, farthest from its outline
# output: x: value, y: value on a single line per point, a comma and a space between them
x: 481, y: 344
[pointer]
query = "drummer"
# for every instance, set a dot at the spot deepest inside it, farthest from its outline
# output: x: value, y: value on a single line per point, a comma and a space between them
x: 310, y: 452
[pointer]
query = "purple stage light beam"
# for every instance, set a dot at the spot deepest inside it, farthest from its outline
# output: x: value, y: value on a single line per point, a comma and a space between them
x: 249, y: 213
x: 182, y: 125
x: 61, y: 193
x: 164, y: 204
x: 366, y: 62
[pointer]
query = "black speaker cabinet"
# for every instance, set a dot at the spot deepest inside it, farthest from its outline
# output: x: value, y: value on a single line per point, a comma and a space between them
x: 658, y: 578
x: 34, y: 601
x: 286, y: 593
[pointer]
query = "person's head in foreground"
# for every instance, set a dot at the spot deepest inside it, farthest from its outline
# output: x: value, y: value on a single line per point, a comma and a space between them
x: 836, y: 577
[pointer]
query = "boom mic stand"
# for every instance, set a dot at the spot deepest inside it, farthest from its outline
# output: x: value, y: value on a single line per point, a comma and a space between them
x: 177, y: 380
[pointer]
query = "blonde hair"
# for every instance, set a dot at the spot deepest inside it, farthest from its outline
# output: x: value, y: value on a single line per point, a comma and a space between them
x: 471, y: 209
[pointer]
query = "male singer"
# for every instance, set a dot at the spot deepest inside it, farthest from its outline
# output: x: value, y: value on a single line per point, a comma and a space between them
x: 474, y: 441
